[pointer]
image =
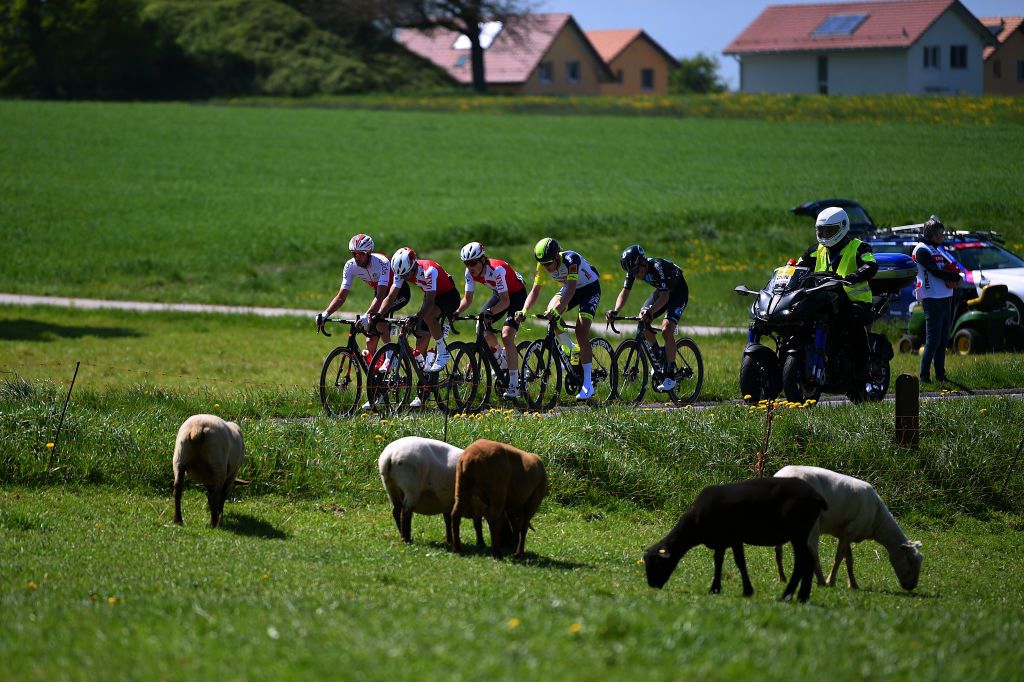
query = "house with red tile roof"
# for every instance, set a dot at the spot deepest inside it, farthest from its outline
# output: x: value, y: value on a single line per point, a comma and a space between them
x: 536, y: 54
x: 640, y: 65
x: 1004, y: 63
x: 853, y: 48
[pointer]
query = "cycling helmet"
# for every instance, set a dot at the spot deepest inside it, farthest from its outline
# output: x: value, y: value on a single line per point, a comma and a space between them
x: 403, y: 262
x: 631, y: 257
x: 547, y: 250
x: 472, y: 251
x: 831, y: 226
x: 361, y: 242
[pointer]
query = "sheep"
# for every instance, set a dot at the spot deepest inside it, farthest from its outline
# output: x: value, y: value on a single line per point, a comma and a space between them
x: 855, y: 513
x: 502, y: 484
x: 419, y: 476
x: 756, y: 512
x: 208, y: 450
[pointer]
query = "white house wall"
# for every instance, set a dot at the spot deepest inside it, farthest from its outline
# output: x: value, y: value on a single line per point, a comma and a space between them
x: 949, y: 30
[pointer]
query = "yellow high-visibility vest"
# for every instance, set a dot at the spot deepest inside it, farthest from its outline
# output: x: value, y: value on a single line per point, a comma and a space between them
x: 847, y: 266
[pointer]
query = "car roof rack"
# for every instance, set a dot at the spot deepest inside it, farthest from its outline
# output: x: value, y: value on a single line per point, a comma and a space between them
x: 956, y: 235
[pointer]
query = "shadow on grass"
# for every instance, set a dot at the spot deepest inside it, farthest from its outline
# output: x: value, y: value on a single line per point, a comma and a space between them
x: 528, y: 559
x: 250, y: 526
x: 33, y: 330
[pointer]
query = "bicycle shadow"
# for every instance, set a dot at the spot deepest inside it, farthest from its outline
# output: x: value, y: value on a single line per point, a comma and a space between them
x: 47, y: 332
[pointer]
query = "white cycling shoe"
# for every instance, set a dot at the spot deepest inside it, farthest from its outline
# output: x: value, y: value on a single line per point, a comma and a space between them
x: 440, y: 361
x: 667, y: 384
x: 586, y: 393
x: 511, y: 393
x: 416, y: 402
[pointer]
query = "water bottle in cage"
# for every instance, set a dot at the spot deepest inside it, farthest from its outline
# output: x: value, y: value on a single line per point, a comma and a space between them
x: 418, y: 357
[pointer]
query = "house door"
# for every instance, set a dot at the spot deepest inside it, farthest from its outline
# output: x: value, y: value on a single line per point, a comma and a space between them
x: 822, y: 75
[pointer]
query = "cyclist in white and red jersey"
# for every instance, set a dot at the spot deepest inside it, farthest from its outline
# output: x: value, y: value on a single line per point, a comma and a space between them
x: 581, y: 287
x: 509, y: 295
x: 439, y: 298
x: 375, y: 270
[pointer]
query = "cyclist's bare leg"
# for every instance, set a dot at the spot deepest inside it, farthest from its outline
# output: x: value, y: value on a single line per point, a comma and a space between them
x: 508, y: 338
x: 583, y: 337
x: 668, y: 333
x: 371, y: 341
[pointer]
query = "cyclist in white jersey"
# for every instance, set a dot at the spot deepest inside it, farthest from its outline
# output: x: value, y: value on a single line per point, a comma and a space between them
x: 375, y: 270
x: 581, y: 287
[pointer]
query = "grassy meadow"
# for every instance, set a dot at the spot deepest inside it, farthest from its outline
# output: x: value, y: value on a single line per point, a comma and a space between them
x: 254, y: 205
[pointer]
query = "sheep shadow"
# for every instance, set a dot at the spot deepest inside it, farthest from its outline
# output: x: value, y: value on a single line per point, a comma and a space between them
x: 529, y: 559
x: 250, y: 526
x: 46, y: 332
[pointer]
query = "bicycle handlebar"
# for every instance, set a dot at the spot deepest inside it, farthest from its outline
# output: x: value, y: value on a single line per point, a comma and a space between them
x: 351, y: 323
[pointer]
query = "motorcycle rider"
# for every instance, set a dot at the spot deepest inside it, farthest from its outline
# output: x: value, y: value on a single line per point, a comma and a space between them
x: 851, y: 259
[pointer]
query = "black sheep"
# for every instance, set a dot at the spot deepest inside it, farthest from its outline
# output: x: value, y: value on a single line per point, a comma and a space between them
x: 760, y: 511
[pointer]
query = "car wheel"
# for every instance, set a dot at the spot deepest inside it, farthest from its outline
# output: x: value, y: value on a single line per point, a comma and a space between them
x: 1015, y: 305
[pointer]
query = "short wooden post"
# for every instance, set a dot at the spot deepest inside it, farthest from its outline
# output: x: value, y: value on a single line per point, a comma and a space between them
x: 908, y: 411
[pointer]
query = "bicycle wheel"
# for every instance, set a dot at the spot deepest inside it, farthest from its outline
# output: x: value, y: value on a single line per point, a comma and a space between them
x: 468, y: 386
x: 541, y: 377
x: 392, y: 385
x: 341, y: 383
x: 689, y: 373
x: 602, y: 370
x: 631, y: 372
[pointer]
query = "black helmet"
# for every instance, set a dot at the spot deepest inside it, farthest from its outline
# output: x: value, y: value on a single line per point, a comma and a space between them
x: 631, y: 257
x: 546, y: 250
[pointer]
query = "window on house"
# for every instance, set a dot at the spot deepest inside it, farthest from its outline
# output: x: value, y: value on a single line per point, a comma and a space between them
x: 618, y: 76
x: 572, y: 71
x: 958, y: 56
x: 544, y: 72
x: 822, y: 75
x: 931, y: 57
x: 1020, y: 71
x: 997, y: 68
x: 646, y: 79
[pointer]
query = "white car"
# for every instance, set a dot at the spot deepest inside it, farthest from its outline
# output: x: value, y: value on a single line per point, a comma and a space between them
x: 989, y: 263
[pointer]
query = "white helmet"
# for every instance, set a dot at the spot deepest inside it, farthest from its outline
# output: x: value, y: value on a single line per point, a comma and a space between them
x: 361, y: 242
x: 472, y: 251
x: 831, y: 226
x: 403, y: 262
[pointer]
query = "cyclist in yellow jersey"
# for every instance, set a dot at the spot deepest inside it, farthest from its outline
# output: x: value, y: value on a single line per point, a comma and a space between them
x: 581, y: 288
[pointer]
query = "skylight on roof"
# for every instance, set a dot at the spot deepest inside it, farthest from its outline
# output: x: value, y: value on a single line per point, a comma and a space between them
x: 488, y: 32
x: 838, y: 25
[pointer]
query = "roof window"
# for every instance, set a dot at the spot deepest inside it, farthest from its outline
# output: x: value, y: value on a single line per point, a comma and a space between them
x: 838, y: 25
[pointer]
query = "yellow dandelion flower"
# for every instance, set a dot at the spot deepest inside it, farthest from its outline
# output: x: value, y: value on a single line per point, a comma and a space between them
x: 575, y: 628
x: 264, y: 577
x: 49, y: 445
x: 512, y: 623
x: 216, y: 404
x: 32, y: 585
x: 378, y: 437
x: 747, y: 397
x: 112, y: 600
x: 984, y: 410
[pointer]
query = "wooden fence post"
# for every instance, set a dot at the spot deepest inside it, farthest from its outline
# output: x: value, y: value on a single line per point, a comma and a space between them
x: 908, y: 411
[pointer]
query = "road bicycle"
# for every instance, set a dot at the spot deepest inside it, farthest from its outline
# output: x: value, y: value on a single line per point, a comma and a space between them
x: 343, y: 371
x: 400, y: 370
x: 639, y: 362
x: 476, y: 372
x: 545, y: 362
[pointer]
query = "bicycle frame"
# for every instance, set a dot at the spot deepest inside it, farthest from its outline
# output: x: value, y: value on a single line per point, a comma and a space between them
x: 340, y: 385
x: 689, y: 371
x: 427, y: 383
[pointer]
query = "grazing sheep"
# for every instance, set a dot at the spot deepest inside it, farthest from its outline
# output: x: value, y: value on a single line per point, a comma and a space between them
x: 502, y: 484
x: 419, y: 476
x: 209, y: 450
x: 855, y: 513
x: 760, y: 511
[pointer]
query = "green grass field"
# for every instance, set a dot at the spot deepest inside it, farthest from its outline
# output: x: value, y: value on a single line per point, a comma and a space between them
x: 255, y: 205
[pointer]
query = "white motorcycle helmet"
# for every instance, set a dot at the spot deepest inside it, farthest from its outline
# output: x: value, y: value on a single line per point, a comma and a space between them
x: 831, y: 226
x: 472, y: 251
x: 403, y: 262
x: 361, y: 242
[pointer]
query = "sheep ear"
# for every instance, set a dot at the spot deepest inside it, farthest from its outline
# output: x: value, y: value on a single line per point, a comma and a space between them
x: 662, y: 552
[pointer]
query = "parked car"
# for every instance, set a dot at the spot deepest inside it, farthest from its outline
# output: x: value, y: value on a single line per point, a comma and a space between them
x: 860, y: 222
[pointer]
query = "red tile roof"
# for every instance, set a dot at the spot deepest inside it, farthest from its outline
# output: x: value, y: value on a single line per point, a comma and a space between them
x: 888, y: 24
x: 509, y: 59
x: 610, y: 43
x: 1006, y: 26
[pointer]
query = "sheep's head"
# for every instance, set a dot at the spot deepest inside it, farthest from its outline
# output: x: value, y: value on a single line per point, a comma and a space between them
x: 906, y: 561
x: 659, y: 562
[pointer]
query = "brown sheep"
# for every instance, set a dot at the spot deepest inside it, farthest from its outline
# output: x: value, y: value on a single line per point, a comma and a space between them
x: 502, y: 484
x: 210, y: 451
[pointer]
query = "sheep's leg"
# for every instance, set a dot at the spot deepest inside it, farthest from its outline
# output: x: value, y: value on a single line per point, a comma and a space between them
x: 396, y: 513
x: 741, y: 563
x: 716, y: 583
x: 520, y: 533
x: 448, y: 529
x: 456, y: 522
x: 801, y: 568
x: 813, y: 540
x: 213, y: 502
x: 179, y: 487
x: 229, y: 485
x: 841, y: 552
x: 778, y: 563
x: 495, y: 525
x: 406, y: 530
x: 478, y: 526
x: 849, y: 568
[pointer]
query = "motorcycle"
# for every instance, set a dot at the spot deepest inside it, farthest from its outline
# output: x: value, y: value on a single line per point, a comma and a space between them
x: 799, y: 310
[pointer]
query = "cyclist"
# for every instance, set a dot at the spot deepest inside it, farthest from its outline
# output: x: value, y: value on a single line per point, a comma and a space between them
x: 670, y: 296
x: 439, y: 299
x: 581, y: 287
x: 851, y: 259
x: 509, y: 294
x: 375, y: 270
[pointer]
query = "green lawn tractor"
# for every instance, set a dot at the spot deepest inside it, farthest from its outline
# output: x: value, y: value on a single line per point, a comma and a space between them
x: 979, y: 324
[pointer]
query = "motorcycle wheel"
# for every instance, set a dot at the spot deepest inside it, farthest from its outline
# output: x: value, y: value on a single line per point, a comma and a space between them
x: 794, y: 385
x: 758, y: 379
x: 879, y: 375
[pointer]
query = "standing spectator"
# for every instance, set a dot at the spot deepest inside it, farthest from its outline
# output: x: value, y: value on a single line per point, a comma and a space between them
x: 937, y: 276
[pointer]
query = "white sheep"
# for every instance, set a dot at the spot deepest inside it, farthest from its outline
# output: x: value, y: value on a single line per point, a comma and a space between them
x: 419, y: 476
x: 855, y: 513
x: 208, y: 450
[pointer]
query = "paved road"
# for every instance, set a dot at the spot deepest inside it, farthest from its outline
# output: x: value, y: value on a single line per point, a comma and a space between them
x: 142, y: 306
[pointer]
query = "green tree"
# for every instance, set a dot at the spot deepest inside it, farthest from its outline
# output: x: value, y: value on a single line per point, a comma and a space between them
x: 698, y: 74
